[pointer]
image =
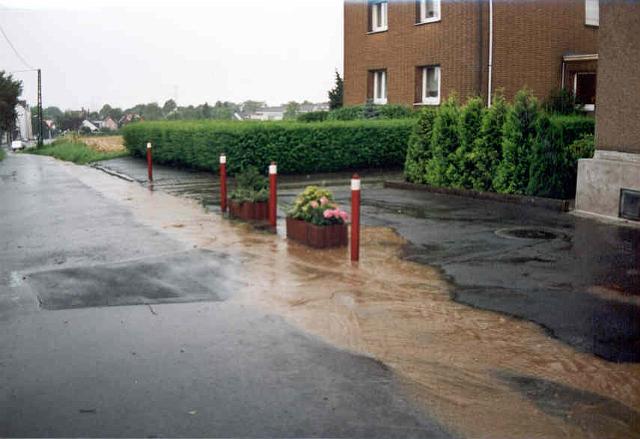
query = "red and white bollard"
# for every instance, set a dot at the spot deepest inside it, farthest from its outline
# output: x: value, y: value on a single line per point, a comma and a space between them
x: 355, y: 218
x: 149, y: 162
x: 273, y: 194
x: 223, y: 183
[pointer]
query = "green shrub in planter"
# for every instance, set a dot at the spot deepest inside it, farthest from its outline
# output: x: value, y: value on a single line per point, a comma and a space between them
x: 441, y: 170
x: 519, y: 136
x: 250, y: 186
x: 487, y: 150
x: 419, y: 150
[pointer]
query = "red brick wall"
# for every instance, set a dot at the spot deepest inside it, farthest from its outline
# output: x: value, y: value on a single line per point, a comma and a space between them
x: 530, y: 37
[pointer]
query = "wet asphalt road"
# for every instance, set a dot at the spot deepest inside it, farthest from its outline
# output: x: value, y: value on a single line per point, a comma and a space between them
x: 175, y: 358
x: 582, y: 286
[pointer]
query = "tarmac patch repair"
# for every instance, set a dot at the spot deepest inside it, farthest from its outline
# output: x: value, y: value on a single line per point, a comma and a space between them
x: 192, y: 276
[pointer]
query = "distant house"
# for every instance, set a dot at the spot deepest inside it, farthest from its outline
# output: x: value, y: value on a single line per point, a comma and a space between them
x: 128, y: 118
x: 23, y: 129
x: 277, y: 113
x: 88, y: 125
x: 308, y: 108
x: 107, y: 124
x: 268, y: 113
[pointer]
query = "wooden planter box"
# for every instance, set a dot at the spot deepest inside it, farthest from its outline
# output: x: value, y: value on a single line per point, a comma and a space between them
x: 248, y: 211
x: 317, y: 236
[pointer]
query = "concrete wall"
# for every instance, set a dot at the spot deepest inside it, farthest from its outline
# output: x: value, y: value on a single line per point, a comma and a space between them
x: 616, y: 163
x: 530, y: 38
x: 618, y: 99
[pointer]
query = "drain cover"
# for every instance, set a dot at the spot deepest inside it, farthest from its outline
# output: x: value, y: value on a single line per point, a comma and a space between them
x: 527, y: 233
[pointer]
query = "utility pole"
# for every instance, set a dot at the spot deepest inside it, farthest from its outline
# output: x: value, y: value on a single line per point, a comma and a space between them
x: 40, y: 121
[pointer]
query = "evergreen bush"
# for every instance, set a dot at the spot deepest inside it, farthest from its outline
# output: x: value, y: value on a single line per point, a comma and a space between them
x: 548, y: 172
x: 487, y: 151
x: 419, y: 149
x: 441, y: 169
x: 519, y: 136
x: 465, y: 161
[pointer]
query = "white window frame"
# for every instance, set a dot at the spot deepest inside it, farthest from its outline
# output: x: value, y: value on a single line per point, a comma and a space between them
x: 380, y: 9
x: 429, y: 100
x: 592, y: 12
x: 380, y: 75
x: 423, y: 18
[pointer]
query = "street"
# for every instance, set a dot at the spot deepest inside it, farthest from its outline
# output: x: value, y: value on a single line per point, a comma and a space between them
x: 73, y: 368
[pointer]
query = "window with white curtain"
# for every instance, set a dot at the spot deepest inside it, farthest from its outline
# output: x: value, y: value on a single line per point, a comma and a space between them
x: 592, y: 12
x: 428, y: 11
x: 380, y: 87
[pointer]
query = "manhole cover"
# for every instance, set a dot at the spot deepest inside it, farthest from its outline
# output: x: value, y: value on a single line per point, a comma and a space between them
x: 527, y: 233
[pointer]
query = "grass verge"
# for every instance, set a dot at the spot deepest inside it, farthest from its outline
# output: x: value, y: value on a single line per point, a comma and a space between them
x: 76, y: 152
x: 3, y: 154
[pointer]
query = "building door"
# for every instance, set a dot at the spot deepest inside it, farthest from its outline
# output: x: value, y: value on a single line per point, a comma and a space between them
x: 585, y: 90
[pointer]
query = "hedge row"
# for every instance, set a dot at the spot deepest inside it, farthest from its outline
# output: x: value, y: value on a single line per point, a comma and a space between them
x: 361, y: 112
x: 296, y: 147
x: 508, y: 148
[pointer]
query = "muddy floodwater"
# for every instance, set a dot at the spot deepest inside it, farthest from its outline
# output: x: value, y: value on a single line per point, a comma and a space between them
x: 480, y: 373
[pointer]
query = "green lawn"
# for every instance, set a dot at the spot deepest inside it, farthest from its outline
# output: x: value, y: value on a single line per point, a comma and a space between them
x: 2, y: 154
x: 75, y: 152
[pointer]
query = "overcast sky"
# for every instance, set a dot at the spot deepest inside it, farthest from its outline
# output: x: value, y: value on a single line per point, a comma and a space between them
x: 125, y: 52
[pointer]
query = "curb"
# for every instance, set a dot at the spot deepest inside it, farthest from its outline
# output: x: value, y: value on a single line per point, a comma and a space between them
x: 114, y: 173
x: 524, y: 200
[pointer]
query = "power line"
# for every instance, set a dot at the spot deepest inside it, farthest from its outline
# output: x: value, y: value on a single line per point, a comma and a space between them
x: 23, y: 71
x: 15, y: 50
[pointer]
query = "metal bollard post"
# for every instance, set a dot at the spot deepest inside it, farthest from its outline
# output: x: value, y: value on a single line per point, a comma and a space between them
x: 355, y: 218
x: 223, y: 183
x: 149, y: 162
x: 273, y: 194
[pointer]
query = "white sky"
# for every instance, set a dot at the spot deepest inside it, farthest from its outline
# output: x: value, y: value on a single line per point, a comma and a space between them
x: 123, y: 52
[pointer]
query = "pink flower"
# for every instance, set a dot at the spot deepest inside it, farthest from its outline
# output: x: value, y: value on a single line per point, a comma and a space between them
x: 324, y: 201
x: 314, y: 204
x: 328, y: 213
x: 344, y: 215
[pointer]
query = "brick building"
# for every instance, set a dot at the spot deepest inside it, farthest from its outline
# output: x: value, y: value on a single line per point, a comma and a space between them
x: 609, y: 183
x: 417, y: 52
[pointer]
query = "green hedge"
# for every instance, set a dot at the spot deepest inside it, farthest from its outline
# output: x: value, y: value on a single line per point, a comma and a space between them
x: 296, y: 147
x: 370, y: 111
x: 510, y: 148
x: 313, y: 116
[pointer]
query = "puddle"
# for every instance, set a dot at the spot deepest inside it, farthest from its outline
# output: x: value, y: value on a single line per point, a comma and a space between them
x: 400, y: 313
x: 527, y: 233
